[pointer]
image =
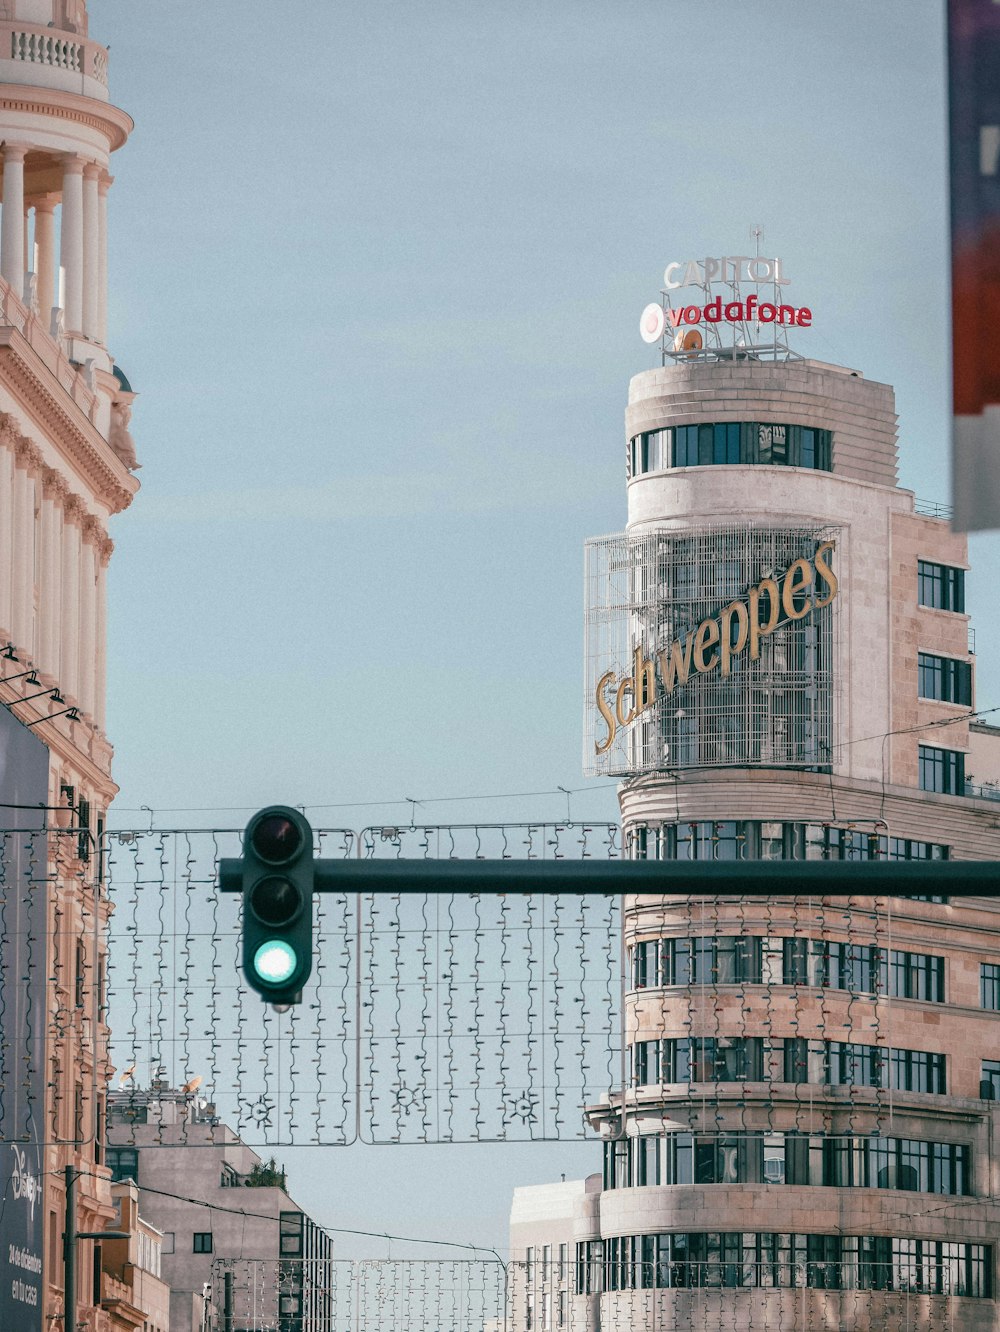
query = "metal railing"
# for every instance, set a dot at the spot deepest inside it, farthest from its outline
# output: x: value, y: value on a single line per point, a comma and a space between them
x: 932, y: 508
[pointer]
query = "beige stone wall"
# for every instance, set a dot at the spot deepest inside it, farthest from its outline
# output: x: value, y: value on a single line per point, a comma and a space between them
x: 983, y: 763
x: 918, y: 629
x: 793, y: 1311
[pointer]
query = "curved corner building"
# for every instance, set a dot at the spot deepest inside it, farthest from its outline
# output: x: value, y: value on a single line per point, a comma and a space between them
x: 780, y: 667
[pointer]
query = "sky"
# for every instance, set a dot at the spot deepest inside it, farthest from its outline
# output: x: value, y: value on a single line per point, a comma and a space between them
x: 376, y: 274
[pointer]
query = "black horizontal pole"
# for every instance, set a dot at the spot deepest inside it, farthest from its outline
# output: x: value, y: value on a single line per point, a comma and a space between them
x: 750, y: 878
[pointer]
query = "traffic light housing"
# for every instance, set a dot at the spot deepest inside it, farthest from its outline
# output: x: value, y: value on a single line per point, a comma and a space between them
x: 277, y: 879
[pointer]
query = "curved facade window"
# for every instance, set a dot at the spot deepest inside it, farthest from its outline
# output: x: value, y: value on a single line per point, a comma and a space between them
x: 841, y: 1161
x: 727, y: 442
x: 753, y: 839
x: 757, y: 960
x: 828, y: 1262
x: 785, y: 1059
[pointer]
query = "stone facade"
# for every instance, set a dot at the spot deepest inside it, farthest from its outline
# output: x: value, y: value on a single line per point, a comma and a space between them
x: 62, y: 476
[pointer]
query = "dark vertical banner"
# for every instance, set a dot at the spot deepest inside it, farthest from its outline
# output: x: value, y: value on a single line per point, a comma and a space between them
x: 974, y: 95
x: 24, y: 767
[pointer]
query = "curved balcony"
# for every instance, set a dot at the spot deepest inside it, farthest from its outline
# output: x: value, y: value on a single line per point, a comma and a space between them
x: 45, y: 57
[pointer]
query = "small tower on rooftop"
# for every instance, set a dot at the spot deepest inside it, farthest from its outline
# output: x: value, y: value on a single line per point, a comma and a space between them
x: 58, y: 130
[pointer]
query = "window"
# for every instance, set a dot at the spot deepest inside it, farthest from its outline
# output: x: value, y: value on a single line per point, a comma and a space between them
x: 123, y: 1162
x: 941, y: 770
x: 83, y: 835
x: 940, y: 586
x: 917, y: 976
x: 290, y: 1234
x: 589, y: 1267
x: 202, y: 1241
x: 917, y: 1070
x: 863, y: 969
x: 832, y: 1262
x: 989, y: 1084
x: 944, y: 678
x: 989, y: 986
x: 729, y: 442
x: 749, y: 839
x: 794, y: 1158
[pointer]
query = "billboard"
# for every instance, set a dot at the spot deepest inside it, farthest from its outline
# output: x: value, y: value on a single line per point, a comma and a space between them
x: 24, y: 768
x: 974, y: 94
x: 711, y: 648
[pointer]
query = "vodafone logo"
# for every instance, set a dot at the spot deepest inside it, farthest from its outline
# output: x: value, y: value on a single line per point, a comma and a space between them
x: 652, y: 323
x: 741, y: 312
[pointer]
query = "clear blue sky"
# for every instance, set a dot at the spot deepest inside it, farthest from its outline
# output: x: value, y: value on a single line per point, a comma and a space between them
x: 376, y: 273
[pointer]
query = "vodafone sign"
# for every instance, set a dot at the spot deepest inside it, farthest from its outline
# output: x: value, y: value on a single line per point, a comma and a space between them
x: 732, y: 270
x: 656, y: 320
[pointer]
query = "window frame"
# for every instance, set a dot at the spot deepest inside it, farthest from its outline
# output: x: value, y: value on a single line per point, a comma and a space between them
x: 943, y: 679
x: 940, y: 586
x: 945, y: 768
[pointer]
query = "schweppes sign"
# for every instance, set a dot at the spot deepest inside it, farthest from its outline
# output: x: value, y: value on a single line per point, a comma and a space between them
x: 806, y: 585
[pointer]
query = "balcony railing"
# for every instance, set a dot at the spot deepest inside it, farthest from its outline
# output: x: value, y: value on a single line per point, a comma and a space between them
x: 42, y: 46
x: 15, y: 314
x: 989, y: 791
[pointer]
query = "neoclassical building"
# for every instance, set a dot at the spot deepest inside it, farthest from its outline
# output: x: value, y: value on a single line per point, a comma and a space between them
x: 780, y: 666
x: 66, y: 465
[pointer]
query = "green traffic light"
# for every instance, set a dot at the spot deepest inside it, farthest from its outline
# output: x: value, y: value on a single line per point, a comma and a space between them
x: 275, y: 962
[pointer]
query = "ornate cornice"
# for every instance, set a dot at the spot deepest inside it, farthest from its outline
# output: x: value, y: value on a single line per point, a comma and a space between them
x: 64, y: 421
x: 116, y: 125
x: 54, y: 486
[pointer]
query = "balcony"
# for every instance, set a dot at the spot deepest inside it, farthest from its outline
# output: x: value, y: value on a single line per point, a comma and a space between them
x: 989, y: 791
x: 45, y: 57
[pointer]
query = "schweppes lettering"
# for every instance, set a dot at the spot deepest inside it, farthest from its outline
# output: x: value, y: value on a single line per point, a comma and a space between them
x: 805, y: 586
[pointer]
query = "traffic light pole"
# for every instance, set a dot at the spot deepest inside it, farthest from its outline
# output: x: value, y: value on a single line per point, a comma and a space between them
x: 728, y: 878
x: 278, y: 874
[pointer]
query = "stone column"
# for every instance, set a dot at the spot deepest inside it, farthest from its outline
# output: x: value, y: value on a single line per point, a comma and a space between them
x: 105, y: 547
x: 70, y: 628
x: 71, y: 250
x: 6, y: 536
x: 50, y: 598
x: 91, y: 248
x: 12, y: 224
x: 45, y: 242
x: 23, y: 537
x: 104, y: 185
x: 88, y: 616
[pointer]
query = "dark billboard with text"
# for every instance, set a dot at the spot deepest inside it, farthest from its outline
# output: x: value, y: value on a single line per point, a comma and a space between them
x: 24, y: 766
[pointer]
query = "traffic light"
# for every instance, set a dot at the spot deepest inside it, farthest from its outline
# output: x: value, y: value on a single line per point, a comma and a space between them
x: 277, y: 882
